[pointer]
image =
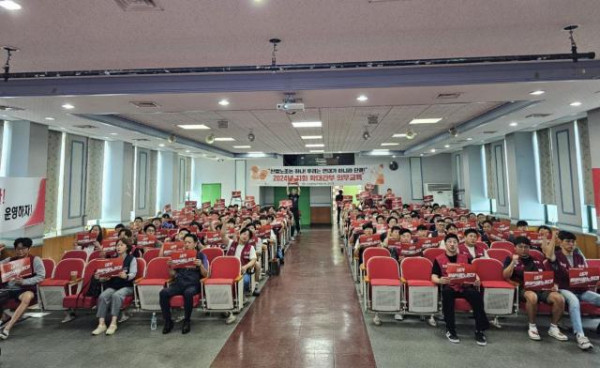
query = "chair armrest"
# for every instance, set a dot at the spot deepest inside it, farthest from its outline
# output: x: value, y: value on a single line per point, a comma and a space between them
x: 367, y: 279
x: 238, y: 278
x: 362, y: 267
x: 403, y: 280
x: 75, y: 282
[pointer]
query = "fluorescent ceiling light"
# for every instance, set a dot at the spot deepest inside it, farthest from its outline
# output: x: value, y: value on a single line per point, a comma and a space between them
x: 68, y: 106
x: 256, y: 153
x: 380, y: 152
x: 315, y: 145
x: 575, y: 104
x: 49, y: 118
x: 432, y: 150
x: 362, y: 98
x: 312, y: 137
x: 317, y: 151
x: 390, y: 144
x: 469, y: 139
x: 537, y: 93
x: 224, y: 139
x: 114, y: 133
x: 307, y: 124
x: 193, y: 126
x: 447, y: 146
x: 513, y: 123
x: 10, y: 5
x: 242, y: 147
x: 224, y: 102
x: 425, y: 121
x: 161, y: 144
x: 399, y: 135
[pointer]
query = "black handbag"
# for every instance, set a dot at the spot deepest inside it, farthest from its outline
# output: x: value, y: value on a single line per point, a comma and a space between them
x: 95, y: 288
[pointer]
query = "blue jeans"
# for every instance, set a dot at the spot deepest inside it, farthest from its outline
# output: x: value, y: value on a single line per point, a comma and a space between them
x: 247, y: 280
x: 572, y: 300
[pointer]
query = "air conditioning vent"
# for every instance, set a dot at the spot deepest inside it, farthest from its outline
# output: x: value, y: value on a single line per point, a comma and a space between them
x: 490, y: 132
x: 373, y: 119
x: 145, y: 104
x: 138, y: 5
x: 141, y: 140
x: 537, y: 116
x: 10, y: 108
x: 223, y: 124
x: 85, y: 127
x: 448, y: 96
x: 438, y: 187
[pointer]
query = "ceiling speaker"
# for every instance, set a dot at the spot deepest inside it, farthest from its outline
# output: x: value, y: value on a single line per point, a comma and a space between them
x: 210, y: 139
x: 393, y: 166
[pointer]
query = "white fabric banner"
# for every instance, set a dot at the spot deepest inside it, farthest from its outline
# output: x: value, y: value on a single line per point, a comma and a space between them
x: 317, y: 175
x: 22, y: 202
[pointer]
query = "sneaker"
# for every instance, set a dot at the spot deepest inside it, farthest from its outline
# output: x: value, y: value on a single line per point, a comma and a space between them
x: 100, y: 329
x: 111, y: 329
x: 555, y: 332
x: 68, y: 318
x: 398, y: 317
x: 480, y: 338
x: 496, y: 323
x: 452, y: 337
x: 4, y: 334
x: 534, y: 334
x: 230, y: 318
x: 583, y: 342
x: 376, y: 320
x: 431, y: 321
x: 256, y: 292
x: 124, y: 317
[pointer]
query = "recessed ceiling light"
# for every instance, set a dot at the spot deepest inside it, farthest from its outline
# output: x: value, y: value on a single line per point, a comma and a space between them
x: 315, y: 145
x: 114, y: 133
x: 421, y: 155
x: 317, y: 151
x: 193, y: 126
x: 432, y: 150
x: 380, y: 152
x: 224, y: 102
x: 307, y: 124
x: 242, y: 147
x: 362, y: 98
x: 68, y: 106
x: 10, y: 5
x: 425, y: 121
x: 256, y: 153
x: 187, y: 151
x: 575, y: 104
x: 513, y: 123
x: 49, y: 118
x: 224, y: 139
x: 161, y: 144
x: 312, y: 137
x: 400, y: 135
x: 446, y: 146
x: 390, y: 144
x: 469, y: 139
x: 537, y: 93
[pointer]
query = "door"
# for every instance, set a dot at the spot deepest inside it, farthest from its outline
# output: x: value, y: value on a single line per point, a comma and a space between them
x: 211, y: 192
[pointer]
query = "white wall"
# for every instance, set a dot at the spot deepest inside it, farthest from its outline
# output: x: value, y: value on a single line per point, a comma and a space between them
x: 320, y: 196
x: 212, y: 171
x: 254, y: 190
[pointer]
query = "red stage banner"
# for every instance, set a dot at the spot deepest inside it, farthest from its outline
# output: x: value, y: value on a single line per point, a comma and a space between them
x: 22, y: 202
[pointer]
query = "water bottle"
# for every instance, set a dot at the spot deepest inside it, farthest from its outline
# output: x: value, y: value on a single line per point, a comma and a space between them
x: 153, y: 322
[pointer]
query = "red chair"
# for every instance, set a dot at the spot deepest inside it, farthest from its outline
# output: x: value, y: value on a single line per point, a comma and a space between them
x: 78, y: 299
x: 368, y: 253
x: 141, y: 271
x: 432, y: 253
x: 506, y: 245
x: 420, y: 293
x: 212, y: 253
x: 75, y: 254
x: 150, y: 254
x: 95, y: 255
x: 53, y: 290
x: 498, y: 294
x: 499, y: 254
x: 148, y: 288
x: 537, y: 255
x: 587, y: 308
x: 383, y: 291
x: 224, y: 287
x: 49, y: 266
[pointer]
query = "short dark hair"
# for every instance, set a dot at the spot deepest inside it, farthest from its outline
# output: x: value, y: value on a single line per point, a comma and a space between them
x: 193, y: 236
x: 487, y: 222
x: 368, y: 225
x: 451, y: 236
x: 451, y: 225
x: 544, y: 227
x: 396, y: 228
x: 390, y: 219
x: 471, y: 231
x: 404, y: 231
x: 422, y: 227
x: 119, y: 226
x: 522, y: 223
x: 26, y: 242
x: 522, y: 240
x: 138, y: 218
x: 149, y: 226
x: 128, y: 243
x: 127, y: 232
x: 566, y: 235
x: 247, y: 229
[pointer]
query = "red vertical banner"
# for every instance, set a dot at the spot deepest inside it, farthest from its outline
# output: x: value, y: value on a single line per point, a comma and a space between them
x: 596, y: 179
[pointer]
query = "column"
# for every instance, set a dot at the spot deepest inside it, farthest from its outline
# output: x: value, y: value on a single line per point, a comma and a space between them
x: 474, y: 184
x: 594, y: 135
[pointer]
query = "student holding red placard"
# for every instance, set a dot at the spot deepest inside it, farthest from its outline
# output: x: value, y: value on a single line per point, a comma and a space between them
x: 294, y: 196
x: 116, y: 288
x: 514, y: 269
x: 245, y: 252
x: 187, y: 283
x: 561, y: 262
x: 21, y: 288
x: 451, y: 291
x: 471, y: 248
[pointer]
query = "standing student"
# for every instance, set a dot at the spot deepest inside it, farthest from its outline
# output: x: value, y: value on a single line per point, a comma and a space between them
x: 187, y: 283
x: 294, y: 196
x: 23, y: 290
x: 116, y: 289
x: 339, y: 200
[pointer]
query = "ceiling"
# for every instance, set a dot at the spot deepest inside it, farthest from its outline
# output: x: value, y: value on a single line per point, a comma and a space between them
x: 85, y: 35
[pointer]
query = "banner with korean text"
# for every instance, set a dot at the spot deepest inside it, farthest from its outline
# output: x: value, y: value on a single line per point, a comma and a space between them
x: 22, y: 202
x: 317, y: 175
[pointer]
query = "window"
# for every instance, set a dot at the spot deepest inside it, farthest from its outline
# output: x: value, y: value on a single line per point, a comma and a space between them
x: 551, y: 211
x: 592, y: 219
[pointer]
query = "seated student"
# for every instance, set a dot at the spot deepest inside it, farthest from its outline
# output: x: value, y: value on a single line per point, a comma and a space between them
x: 480, y: 219
x: 450, y: 292
x: 245, y: 252
x: 187, y: 283
x: 116, y: 289
x: 22, y: 290
x: 522, y: 225
x: 96, y: 233
x: 486, y: 230
x: 422, y: 231
x: 450, y: 229
x: 514, y: 269
x: 560, y: 262
x: 166, y: 222
x: 406, y: 237
x: 358, y: 248
x: 138, y: 223
x: 150, y: 230
x: 157, y: 222
x: 471, y: 248
x: 392, y: 234
x: 440, y: 227
x: 118, y: 227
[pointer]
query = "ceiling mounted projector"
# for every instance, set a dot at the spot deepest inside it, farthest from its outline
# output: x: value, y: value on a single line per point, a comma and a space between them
x: 411, y: 134
x: 290, y: 106
x: 366, y: 135
x: 172, y: 138
x: 210, y: 139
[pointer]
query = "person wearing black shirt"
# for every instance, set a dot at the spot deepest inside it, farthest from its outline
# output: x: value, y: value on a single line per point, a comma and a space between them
x: 450, y: 292
x: 294, y: 195
x: 339, y: 198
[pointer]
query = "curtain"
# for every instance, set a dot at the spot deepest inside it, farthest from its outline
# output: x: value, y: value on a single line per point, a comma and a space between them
x: 546, y: 167
x: 95, y: 170
x: 586, y: 161
x: 490, y: 172
x: 153, y: 172
x: 53, y: 171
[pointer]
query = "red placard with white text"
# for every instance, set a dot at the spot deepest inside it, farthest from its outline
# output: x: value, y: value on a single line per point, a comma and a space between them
x: 409, y: 249
x: 461, y: 273
x: 381, y: 228
x: 213, y: 238
x: 584, y: 278
x: 285, y: 203
x: 170, y: 247
x: 144, y: 240
x: 236, y: 194
x: 15, y: 269
x: 84, y: 239
x: 183, y: 258
x: 264, y: 232
x: 369, y: 240
x: 110, y: 267
x: 432, y: 242
x: 109, y: 247
x: 428, y: 199
x: 540, y: 280
x: 191, y: 204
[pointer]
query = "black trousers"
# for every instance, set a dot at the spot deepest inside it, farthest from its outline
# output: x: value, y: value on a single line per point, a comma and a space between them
x: 296, y: 214
x: 188, y: 292
x: 474, y: 298
x: 339, y: 213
